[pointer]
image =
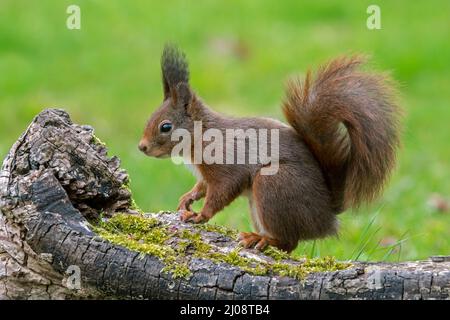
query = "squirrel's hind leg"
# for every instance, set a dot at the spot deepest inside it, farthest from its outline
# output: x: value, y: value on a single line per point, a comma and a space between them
x: 291, y: 205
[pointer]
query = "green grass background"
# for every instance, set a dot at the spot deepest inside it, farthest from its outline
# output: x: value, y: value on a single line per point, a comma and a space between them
x: 241, y: 52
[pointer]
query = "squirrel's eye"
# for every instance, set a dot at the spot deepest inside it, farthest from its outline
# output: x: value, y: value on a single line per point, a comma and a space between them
x: 165, y: 127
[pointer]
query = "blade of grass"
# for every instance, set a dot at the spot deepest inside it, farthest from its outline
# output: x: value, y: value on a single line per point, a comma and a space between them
x: 367, y: 243
x: 392, y: 247
x: 313, y: 250
x: 363, y: 236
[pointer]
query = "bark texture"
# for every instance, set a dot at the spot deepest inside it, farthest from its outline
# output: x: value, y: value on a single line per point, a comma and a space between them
x: 57, y: 177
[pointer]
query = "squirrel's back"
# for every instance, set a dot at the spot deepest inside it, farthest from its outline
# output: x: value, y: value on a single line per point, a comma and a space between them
x: 350, y: 121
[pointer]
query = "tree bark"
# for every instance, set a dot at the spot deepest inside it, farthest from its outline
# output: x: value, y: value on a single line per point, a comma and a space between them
x: 57, y: 177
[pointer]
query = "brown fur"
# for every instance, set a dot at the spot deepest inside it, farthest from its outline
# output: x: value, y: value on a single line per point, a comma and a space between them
x: 337, y: 154
x: 358, y: 157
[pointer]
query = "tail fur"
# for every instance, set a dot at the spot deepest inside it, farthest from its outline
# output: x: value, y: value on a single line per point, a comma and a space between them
x: 350, y: 121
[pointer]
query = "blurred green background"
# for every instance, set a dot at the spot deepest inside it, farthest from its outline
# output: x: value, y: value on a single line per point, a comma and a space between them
x: 241, y: 52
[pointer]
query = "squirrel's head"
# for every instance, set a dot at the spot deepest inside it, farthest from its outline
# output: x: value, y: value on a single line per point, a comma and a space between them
x: 177, y: 109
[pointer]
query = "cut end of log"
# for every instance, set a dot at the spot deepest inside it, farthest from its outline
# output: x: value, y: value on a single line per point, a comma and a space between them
x: 53, y: 145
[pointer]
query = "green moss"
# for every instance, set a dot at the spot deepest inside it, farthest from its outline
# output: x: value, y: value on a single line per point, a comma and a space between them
x: 179, y: 270
x: 182, y: 246
x: 134, y: 244
x: 301, y: 270
x: 148, y: 236
x: 219, y: 229
x: 276, y: 254
x: 98, y: 141
x: 235, y: 259
x: 196, y: 241
x: 135, y: 207
x: 144, y: 235
x: 135, y: 225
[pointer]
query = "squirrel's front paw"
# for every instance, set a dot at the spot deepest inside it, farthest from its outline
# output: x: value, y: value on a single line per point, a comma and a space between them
x: 190, y: 216
x: 185, y: 203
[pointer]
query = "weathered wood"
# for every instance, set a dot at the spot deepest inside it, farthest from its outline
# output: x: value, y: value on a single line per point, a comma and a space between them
x: 57, y: 177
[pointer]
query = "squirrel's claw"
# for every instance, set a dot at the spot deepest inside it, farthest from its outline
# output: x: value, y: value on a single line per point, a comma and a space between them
x: 185, y: 204
x: 251, y: 239
x: 190, y: 216
x: 186, y: 215
x: 199, y: 219
x: 248, y: 239
x: 262, y: 244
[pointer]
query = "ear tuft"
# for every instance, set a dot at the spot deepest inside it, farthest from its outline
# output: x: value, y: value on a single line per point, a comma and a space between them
x: 174, y: 67
x: 182, y: 94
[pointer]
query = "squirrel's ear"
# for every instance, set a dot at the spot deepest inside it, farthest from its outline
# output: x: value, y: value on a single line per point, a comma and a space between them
x: 182, y: 94
x: 166, y: 87
x: 174, y: 67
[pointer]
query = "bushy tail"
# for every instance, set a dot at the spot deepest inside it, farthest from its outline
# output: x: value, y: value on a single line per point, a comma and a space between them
x: 350, y: 121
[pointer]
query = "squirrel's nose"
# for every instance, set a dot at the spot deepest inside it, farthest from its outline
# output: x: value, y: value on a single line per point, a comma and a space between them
x: 143, y: 147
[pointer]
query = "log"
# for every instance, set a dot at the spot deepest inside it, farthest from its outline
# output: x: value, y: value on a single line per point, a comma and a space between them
x: 57, y: 179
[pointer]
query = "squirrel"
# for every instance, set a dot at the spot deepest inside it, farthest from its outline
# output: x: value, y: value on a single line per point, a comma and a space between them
x: 335, y: 153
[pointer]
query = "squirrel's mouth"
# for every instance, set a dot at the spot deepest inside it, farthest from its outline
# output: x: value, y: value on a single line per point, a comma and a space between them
x: 160, y: 155
x: 150, y: 152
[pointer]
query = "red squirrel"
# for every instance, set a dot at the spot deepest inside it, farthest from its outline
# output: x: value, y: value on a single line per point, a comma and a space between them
x: 336, y: 153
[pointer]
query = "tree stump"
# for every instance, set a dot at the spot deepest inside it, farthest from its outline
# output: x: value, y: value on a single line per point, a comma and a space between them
x: 57, y: 178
